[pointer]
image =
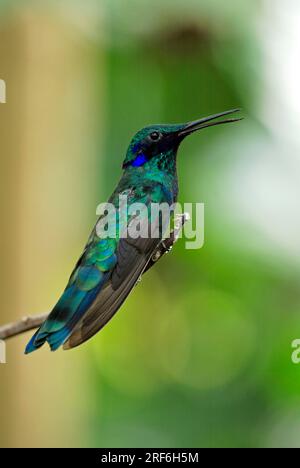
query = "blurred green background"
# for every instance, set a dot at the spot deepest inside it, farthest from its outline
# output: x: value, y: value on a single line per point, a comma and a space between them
x: 200, y: 354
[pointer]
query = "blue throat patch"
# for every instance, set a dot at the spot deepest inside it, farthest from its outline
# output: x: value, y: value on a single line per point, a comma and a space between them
x: 139, y: 160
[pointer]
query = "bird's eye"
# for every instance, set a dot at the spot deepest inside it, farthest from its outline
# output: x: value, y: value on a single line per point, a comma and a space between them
x: 155, y: 136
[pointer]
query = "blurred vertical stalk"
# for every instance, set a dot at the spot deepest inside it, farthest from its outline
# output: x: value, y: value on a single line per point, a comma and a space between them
x: 49, y: 168
x: 10, y: 192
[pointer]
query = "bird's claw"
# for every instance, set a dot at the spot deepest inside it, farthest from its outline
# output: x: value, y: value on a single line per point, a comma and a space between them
x: 166, y: 245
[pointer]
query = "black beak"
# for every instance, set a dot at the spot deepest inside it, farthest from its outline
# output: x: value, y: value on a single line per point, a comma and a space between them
x: 207, y: 122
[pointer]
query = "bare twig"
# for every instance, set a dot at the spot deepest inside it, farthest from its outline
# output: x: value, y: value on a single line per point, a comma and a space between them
x: 29, y: 323
x: 16, y: 328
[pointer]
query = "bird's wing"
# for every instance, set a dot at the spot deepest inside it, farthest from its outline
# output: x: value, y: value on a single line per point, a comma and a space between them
x: 130, y: 265
x: 89, y: 275
x: 102, y: 279
x: 132, y: 258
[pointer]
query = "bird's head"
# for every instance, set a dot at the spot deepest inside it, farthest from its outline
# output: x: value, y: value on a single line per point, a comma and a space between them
x: 162, y: 141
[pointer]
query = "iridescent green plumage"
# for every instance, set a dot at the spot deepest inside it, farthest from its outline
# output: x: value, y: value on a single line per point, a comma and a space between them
x: 109, y: 267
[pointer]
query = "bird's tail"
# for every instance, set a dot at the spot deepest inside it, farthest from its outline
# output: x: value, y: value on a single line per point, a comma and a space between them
x: 63, y: 318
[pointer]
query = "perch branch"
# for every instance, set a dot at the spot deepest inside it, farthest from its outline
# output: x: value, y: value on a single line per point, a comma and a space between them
x: 29, y: 323
x: 21, y: 326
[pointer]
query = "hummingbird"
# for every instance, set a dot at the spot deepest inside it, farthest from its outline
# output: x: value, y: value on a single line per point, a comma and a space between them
x: 110, y: 266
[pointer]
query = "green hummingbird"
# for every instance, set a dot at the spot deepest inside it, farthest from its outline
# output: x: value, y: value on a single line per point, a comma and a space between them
x: 110, y: 266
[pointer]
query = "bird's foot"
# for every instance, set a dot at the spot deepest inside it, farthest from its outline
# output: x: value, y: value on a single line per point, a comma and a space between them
x: 166, y: 245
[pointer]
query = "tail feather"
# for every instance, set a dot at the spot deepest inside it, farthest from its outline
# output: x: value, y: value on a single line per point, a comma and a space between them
x: 59, y: 325
x: 33, y: 345
x: 88, y: 277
